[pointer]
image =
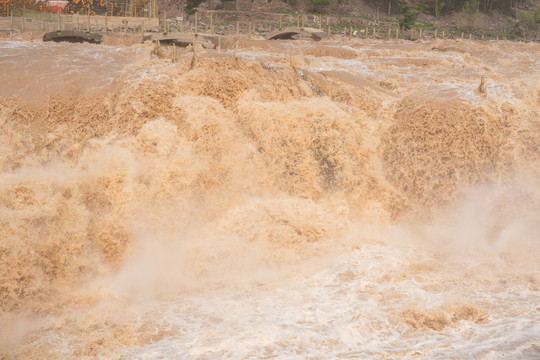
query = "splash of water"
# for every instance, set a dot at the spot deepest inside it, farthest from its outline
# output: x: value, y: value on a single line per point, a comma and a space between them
x: 228, y: 209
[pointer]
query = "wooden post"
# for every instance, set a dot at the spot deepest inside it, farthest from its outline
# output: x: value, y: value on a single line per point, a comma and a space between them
x: 11, y: 21
x: 330, y: 90
x: 297, y: 20
x: 125, y: 27
x: 412, y: 34
x: 482, y: 87
x: 59, y: 27
x: 320, y: 22
x: 374, y: 32
x: 165, y: 21
x: 435, y: 34
x: 328, y: 31
x: 280, y: 22
x: 389, y: 30
x: 174, y: 53
x: 211, y: 23
x: 22, y: 24
x: 194, y: 45
x: 497, y: 38
x: 236, y: 47
x: 249, y: 31
x: 78, y: 26
x: 420, y: 36
x: 367, y: 32
x: 443, y: 37
x: 88, y: 20
x: 290, y: 57
x: 397, y: 32
x: 196, y: 23
x: 237, y: 29
x: 482, y: 36
x: 107, y: 23
x: 470, y: 36
x: 303, y: 19
x: 462, y: 35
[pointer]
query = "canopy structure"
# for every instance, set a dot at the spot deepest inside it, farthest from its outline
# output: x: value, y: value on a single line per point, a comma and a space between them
x: 140, y: 8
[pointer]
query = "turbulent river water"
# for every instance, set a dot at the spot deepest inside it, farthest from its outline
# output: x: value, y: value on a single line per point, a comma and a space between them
x: 368, y: 203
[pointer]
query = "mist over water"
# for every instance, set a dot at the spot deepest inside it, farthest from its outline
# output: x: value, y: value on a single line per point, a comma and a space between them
x: 231, y: 209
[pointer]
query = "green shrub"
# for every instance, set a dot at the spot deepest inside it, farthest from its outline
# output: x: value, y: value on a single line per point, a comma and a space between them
x: 191, y: 6
x: 528, y: 19
x: 317, y: 5
x: 409, y: 16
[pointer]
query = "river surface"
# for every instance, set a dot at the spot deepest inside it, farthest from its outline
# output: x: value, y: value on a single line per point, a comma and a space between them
x: 369, y: 202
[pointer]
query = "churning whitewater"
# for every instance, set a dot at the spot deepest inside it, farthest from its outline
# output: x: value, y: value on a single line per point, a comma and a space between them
x: 369, y: 202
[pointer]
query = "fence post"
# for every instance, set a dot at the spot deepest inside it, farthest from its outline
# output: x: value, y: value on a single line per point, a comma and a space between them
x: 330, y: 90
x: 290, y: 57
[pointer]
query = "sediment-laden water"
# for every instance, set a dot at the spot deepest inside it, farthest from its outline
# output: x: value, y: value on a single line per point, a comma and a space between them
x: 229, y: 208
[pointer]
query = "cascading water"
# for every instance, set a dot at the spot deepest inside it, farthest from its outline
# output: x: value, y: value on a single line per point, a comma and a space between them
x: 230, y: 209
